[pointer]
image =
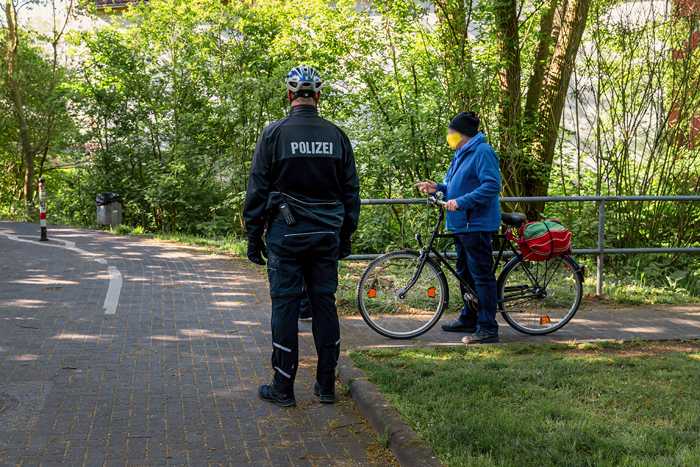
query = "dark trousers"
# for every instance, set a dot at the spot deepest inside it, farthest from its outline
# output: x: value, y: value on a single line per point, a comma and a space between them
x: 303, y: 261
x: 475, y: 266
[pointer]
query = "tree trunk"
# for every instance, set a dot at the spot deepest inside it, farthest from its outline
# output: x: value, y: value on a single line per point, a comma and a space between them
x: 542, y: 55
x: 509, y: 118
x: 529, y: 124
x: 554, y: 91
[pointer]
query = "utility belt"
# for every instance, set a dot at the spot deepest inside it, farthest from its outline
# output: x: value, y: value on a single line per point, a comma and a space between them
x: 326, y: 214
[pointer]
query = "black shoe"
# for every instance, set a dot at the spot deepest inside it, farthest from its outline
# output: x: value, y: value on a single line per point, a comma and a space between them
x: 481, y: 338
x: 305, y: 309
x: 328, y: 398
x: 268, y: 393
x: 459, y: 326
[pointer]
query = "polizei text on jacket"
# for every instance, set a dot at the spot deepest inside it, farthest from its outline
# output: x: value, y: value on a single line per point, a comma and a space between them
x: 311, y: 148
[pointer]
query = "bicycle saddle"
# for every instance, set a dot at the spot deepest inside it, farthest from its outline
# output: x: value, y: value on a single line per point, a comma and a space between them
x: 514, y: 219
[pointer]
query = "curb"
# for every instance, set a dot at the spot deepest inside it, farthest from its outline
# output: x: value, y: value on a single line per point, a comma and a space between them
x: 409, y: 449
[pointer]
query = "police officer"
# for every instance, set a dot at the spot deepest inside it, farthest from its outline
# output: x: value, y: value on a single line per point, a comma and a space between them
x: 303, y: 189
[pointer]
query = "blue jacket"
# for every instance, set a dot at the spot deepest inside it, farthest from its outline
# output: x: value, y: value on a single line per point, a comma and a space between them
x: 474, y: 180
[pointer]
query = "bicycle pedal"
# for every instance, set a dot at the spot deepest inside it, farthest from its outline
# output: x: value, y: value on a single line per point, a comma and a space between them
x: 471, y: 299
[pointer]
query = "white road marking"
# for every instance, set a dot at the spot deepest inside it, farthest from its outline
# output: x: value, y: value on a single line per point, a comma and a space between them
x: 113, y: 292
x: 67, y: 245
x: 115, y: 276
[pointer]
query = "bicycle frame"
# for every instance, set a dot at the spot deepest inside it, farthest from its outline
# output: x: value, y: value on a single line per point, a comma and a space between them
x: 429, y: 249
x: 522, y: 296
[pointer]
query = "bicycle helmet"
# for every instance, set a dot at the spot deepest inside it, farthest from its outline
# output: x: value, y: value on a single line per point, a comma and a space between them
x: 303, y: 81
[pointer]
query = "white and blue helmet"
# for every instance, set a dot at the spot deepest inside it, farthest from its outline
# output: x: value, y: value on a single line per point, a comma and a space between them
x: 304, y: 81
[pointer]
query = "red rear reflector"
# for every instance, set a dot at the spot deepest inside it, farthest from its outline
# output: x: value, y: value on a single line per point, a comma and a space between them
x: 432, y: 292
x: 371, y: 293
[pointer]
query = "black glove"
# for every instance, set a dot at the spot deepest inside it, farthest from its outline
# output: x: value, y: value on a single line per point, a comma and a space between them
x: 256, y: 250
x: 345, y: 248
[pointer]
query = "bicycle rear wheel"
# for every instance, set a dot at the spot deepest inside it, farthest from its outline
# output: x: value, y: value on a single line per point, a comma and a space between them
x: 540, y: 297
x: 392, y: 308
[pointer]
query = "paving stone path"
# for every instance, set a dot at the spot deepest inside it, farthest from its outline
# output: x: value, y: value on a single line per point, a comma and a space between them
x: 593, y: 321
x: 170, y: 377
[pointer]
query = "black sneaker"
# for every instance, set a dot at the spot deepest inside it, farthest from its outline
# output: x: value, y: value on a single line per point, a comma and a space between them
x: 481, y: 338
x: 323, y: 398
x: 268, y: 393
x: 459, y: 326
x: 305, y: 310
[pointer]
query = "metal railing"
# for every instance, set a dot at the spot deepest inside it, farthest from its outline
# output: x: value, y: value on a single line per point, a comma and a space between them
x: 600, y: 251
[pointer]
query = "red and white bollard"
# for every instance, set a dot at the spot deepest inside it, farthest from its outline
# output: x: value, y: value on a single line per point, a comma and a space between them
x: 42, y: 210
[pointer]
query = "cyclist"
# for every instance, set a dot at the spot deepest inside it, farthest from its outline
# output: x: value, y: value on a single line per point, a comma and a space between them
x: 303, y: 187
x: 472, y: 187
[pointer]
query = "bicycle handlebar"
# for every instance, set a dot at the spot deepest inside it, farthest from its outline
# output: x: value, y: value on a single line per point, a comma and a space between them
x: 437, y: 199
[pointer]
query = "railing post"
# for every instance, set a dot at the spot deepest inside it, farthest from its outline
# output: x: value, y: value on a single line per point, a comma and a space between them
x: 42, y: 210
x: 601, y: 246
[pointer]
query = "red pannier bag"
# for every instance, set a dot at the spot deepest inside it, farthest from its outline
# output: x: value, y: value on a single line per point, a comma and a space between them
x: 543, y: 240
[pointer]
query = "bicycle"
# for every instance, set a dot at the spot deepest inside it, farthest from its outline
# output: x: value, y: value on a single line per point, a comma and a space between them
x: 403, y: 294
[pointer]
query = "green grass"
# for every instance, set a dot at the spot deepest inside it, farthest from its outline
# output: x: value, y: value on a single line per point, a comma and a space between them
x: 607, y: 404
x: 624, y: 290
x: 232, y: 246
x: 349, y: 273
x: 618, y: 290
x: 630, y: 292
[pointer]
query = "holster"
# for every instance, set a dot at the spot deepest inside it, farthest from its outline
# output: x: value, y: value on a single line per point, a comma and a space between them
x: 327, y: 214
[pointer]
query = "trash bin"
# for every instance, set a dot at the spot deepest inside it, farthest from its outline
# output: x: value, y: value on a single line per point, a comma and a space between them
x: 109, y: 209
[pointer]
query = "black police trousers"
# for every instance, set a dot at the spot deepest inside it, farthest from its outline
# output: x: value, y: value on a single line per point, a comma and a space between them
x: 303, y: 259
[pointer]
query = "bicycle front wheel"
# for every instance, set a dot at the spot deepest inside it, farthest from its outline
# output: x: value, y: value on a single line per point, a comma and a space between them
x: 400, y: 300
x: 540, y: 297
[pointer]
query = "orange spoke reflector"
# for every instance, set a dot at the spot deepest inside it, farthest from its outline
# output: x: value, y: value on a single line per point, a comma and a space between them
x: 544, y: 319
x: 432, y: 292
x: 371, y: 293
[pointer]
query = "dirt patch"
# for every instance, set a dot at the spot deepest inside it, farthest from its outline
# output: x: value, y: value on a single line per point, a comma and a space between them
x: 347, y: 308
x: 380, y: 455
x: 635, y: 349
x: 307, y: 362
